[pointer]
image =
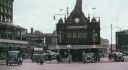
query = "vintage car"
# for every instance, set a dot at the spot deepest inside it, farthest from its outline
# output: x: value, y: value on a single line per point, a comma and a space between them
x: 13, y: 57
x: 88, y: 57
x: 37, y: 58
x: 118, y: 56
x: 54, y: 55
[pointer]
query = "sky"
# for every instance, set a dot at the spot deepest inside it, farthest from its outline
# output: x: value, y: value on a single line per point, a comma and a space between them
x: 39, y: 14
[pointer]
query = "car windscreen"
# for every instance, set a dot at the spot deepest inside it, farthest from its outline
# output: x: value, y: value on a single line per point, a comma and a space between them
x: 89, y: 54
x: 13, y: 55
x: 119, y: 55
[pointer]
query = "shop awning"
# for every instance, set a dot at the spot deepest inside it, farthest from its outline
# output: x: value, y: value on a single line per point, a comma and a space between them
x: 12, y: 46
x: 75, y: 47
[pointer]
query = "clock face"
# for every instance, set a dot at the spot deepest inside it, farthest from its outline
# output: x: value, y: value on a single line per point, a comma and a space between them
x: 77, y: 20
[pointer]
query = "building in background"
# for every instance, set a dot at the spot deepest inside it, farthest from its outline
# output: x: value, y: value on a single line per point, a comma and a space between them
x: 51, y: 42
x: 122, y: 41
x: 78, y: 34
x: 35, y: 42
x: 6, y: 11
x: 41, y: 42
x: 11, y: 36
x: 105, y: 47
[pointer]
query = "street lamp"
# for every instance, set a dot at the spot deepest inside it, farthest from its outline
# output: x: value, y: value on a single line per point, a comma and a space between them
x: 59, y: 14
x: 111, y: 39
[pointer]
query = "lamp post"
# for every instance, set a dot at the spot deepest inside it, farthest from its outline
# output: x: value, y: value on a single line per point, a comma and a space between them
x: 59, y: 14
x: 111, y: 40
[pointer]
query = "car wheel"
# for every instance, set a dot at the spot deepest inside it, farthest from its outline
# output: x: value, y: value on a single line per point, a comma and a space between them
x: 7, y: 63
x: 122, y: 60
x: 18, y: 63
x: 10, y: 64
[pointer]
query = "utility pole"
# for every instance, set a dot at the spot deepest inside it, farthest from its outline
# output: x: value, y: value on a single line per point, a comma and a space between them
x: 111, y: 40
x: 61, y: 12
x: 67, y: 12
x: 112, y: 37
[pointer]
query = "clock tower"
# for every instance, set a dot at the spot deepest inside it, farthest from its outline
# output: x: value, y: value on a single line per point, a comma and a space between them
x: 79, y: 31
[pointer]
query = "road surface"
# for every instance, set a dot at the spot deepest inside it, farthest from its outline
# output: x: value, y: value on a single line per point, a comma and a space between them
x: 66, y: 66
x: 103, y: 65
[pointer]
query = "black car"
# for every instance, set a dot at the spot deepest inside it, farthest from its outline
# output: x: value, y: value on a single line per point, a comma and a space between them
x: 13, y: 57
x: 88, y: 57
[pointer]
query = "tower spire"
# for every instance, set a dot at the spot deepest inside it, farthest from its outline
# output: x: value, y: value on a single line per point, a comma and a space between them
x: 78, y: 5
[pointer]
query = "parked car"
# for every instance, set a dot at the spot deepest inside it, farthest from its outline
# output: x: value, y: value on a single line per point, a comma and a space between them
x: 118, y: 56
x: 54, y: 55
x: 13, y: 57
x: 88, y: 57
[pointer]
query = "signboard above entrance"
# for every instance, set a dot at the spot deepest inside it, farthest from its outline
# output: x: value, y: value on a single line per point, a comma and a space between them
x: 76, y: 27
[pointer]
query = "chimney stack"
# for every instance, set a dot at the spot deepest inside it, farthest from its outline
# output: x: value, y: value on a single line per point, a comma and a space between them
x: 32, y: 30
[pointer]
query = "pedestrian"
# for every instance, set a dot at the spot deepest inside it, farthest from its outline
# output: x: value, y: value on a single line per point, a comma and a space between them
x: 41, y: 60
x: 109, y: 56
x: 70, y: 58
x: 49, y: 58
x: 58, y: 58
x: 20, y: 60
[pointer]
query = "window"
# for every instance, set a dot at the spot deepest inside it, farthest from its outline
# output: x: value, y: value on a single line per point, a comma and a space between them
x: 69, y: 35
x: 79, y: 35
x: 1, y: 2
x: 5, y: 2
x: 5, y: 19
x: 1, y: 17
x: 8, y: 11
x: 84, y: 35
x: 10, y: 4
x: 1, y: 9
x: 8, y: 20
x: 74, y: 35
x: 5, y: 10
